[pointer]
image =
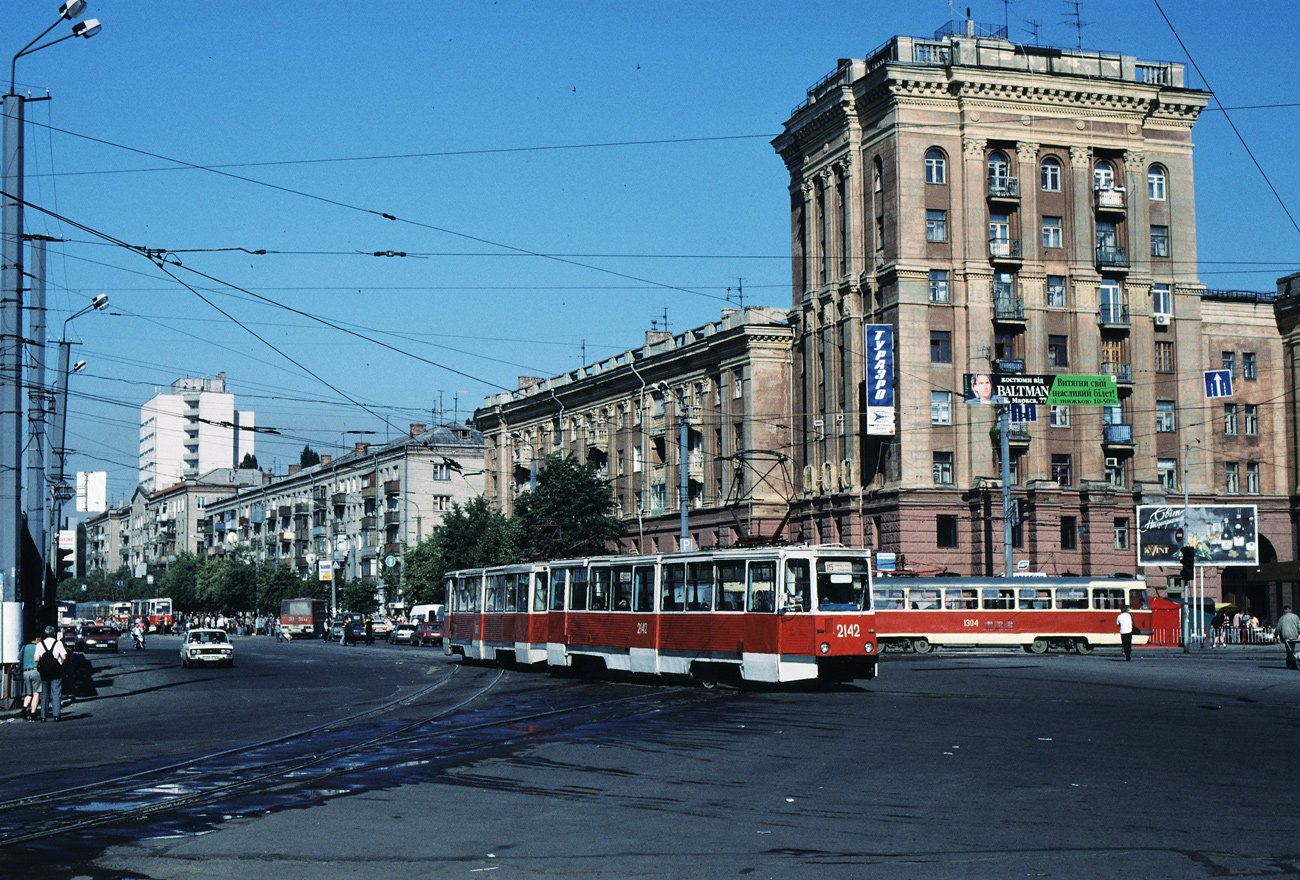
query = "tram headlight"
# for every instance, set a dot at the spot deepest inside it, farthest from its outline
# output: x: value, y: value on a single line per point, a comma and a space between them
x: 826, y: 647
x: 868, y: 647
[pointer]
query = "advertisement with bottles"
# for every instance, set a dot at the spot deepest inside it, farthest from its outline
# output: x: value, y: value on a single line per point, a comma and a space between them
x: 1221, y: 534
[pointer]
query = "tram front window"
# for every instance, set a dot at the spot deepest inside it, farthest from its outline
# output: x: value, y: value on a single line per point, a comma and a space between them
x: 842, y: 584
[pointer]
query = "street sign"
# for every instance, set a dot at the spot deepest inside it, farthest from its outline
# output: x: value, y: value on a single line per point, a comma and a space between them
x: 1218, y: 383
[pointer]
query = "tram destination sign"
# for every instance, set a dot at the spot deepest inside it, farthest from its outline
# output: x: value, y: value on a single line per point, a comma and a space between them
x: 1221, y: 534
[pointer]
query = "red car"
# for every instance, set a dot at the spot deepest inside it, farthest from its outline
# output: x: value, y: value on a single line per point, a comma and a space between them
x: 100, y: 638
x: 429, y: 633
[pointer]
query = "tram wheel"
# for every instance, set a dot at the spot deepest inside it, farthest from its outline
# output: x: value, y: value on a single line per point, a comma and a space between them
x: 1038, y: 646
x: 922, y: 646
x: 1082, y: 646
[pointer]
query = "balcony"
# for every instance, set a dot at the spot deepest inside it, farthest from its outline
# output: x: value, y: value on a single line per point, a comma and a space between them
x: 338, y: 499
x: 1114, y: 316
x: 1008, y: 309
x: 1018, y: 435
x: 1112, y: 258
x: 1117, y: 435
x: 1004, y: 189
x: 1005, y: 250
x: 392, y: 549
x: 368, y: 523
x: 393, y: 518
x: 1122, y: 373
x: 285, y: 511
x: 597, y: 438
x: 1009, y: 365
x: 1108, y: 199
x: 318, y: 531
x: 302, y: 508
x: 392, y: 487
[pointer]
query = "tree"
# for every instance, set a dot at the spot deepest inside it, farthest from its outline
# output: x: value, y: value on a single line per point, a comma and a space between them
x: 468, y: 537
x: 180, y: 581
x: 358, y: 596
x: 308, y: 457
x: 274, y: 584
x: 248, y: 462
x: 571, y: 513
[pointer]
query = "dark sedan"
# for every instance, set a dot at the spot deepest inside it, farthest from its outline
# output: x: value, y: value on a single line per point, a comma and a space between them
x: 100, y: 638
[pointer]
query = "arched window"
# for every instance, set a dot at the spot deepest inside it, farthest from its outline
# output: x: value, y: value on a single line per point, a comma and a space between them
x: 1050, y: 174
x: 1103, y: 175
x: 936, y: 166
x: 1156, y: 183
x: 999, y: 168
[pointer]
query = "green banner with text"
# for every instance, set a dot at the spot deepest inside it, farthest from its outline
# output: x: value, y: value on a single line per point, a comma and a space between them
x: 1083, y: 391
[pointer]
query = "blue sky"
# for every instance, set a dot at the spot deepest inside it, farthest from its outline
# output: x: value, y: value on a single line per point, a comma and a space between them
x: 562, y: 174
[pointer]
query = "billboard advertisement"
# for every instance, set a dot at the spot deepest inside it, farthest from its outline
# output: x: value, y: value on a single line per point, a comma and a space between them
x: 880, y: 379
x: 1037, y: 389
x: 1221, y: 534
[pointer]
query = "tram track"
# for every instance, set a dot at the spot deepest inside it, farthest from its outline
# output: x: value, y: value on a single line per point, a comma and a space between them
x: 276, y: 769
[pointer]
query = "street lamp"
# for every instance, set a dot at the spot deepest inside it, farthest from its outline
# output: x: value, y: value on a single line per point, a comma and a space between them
x: 11, y: 336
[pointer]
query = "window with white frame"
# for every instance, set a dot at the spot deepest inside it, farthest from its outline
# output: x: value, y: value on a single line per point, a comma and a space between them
x: 442, y: 471
x: 999, y: 171
x: 1162, y: 300
x: 1062, y: 469
x: 1249, y: 365
x: 939, y: 286
x: 737, y: 384
x: 1050, y: 174
x: 1056, y: 291
x: 1166, y: 417
x: 1167, y: 472
x: 1103, y: 175
x: 936, y: 225
x: 1252, y: 478
x: 1230, y: 418
x: 1159, y: 241
x: 941, y: 407
x: 1250, y: 419
x: 942, y: 462
x: 1051, y: 232
x: 1231, y: 478
x: 1121, y: 533
x: 936, y: 166
x: 1229, y: 361
x: 1058, y: 416
x: 1156, y: 183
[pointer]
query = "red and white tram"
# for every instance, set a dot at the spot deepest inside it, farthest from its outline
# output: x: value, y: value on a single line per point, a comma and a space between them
x: 1074, y: 613
x: 765, y: 614
x: 157, y: 613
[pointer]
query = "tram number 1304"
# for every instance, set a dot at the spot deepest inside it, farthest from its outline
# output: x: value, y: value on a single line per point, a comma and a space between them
x: 848, y: 630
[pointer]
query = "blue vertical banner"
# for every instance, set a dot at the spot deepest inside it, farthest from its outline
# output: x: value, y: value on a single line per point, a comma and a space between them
x: 880, y: 379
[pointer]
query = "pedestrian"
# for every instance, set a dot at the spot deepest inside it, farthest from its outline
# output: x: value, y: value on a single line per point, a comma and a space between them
x: 1288, y: 630
x: 51, y: 674
x: 1125, y: 623
x: 1216, y: 628
x: 31, y: 681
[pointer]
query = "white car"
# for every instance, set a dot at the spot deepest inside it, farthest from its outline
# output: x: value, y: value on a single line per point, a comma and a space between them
x: 207, y: 646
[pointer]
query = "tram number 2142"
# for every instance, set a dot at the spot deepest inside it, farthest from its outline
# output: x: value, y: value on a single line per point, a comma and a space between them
x: 848, y: 630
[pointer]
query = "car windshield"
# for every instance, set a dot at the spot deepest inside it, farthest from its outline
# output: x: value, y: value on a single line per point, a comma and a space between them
x: 208, y: 638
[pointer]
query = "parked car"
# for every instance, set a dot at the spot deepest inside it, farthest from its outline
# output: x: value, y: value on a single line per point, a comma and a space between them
x: 336, y: 629
x: 202, y: 646
x: 73, y: 639
x: 403, y: 634
x: 428, y: 633
x: 100, y: 638
x: 381, y: 626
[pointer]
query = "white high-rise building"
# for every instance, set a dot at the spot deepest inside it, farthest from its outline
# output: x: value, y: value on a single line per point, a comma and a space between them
x: 191, y: 430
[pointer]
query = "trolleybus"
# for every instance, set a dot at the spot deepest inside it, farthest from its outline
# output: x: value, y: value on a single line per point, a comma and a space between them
x: 1072, y: 613
x: 776, y: 614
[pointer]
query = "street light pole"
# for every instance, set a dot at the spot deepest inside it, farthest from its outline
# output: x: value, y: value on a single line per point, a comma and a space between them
x: 11, y: 336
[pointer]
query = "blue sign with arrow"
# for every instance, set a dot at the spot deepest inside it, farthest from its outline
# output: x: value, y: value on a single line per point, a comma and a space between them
x: 1218, y: 383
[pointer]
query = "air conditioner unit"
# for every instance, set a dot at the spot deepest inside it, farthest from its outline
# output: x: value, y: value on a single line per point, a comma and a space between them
x: 818, y: 423
x: 1162, y: 320
x: 839, y: 418
x: 1112, y: 461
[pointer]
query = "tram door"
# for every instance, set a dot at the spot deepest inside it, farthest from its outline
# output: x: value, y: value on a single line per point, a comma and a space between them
x: 793, y: 604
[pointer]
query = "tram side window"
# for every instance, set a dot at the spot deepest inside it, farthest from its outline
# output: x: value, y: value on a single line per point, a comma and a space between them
x: 557, y: 589
x: 798, y: 586
x: 1031, y: 600
x: 888, y: 598
x: 1107, y: 598
x: 999, y: 600
x: 699, y: 588
x: 622, y: 578
x: 511, y: 585
x: 960, y: 600
x: 1137, y: 599
x: 539, y: 592
x: 731, y: 586
x: 1071, y: 597
x: 643, y: 600
x: 496, y: 598
x: 762, y: 587
x: 841, y: 585
x: 673, y: 596
x: 600, y: 589
x: 521, y: 592
x: 923, y: 599
x: 578, y: 589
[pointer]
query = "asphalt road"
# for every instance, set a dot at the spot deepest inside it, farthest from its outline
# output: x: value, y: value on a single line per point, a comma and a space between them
x: 947, y: 765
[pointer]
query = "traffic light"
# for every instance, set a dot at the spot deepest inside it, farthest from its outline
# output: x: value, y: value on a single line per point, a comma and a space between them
x: 1189, y: 563
x: 65, y: 565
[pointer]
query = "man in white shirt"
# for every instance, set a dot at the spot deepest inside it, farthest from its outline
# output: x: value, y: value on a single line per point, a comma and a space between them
x: 1125, y: 624
x: 51, y: 688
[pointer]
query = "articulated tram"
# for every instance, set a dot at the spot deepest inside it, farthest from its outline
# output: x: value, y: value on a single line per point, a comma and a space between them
x: 775, y: 614
x: 1072, y: 613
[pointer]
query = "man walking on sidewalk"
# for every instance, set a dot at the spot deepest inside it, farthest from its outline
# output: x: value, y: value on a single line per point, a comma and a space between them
x: 51, y: 671
x: 1125, y: 623
x: 1288, y: 630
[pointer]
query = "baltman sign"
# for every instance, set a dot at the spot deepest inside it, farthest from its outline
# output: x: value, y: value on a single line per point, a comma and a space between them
x: 1048, y: 389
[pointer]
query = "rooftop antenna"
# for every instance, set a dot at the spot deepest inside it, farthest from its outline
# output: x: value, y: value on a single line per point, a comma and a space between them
x: 740, y: 292
x: 1072, y: 15
x: 1006, y: 17
x: 1035, y: 29
x: 657, y: 324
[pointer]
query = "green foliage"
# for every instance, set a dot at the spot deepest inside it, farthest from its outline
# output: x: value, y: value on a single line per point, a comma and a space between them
x: 308, y: 457
x: 468, y: 537
x: 181, y: 581
x: 248, y: 461
x: 358, y: 596
x: 276, y: 583
x: 571, y: 513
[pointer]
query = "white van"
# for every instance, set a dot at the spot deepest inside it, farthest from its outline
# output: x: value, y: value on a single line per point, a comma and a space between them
x: 420, y: 613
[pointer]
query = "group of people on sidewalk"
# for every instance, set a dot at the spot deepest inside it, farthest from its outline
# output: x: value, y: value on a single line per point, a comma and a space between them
x: 44, y: 660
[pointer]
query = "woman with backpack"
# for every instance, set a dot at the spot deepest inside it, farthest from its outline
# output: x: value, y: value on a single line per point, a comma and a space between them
x: 31, y: 681
x: 51, y: 655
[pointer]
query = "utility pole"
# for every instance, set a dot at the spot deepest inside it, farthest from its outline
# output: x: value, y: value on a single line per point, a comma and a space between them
x: 1009, y: 510
x: 683, y: 462
x: 37, y: 405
